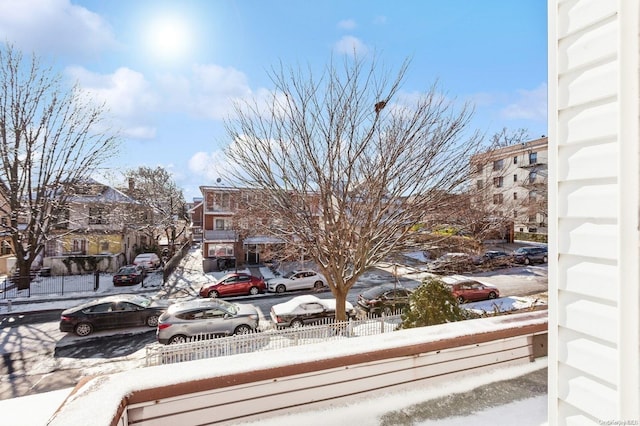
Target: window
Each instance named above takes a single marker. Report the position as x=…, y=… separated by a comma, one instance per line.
x=104, y=246
x=6, y=248
x=497, y=198
x=97, y=216
x=60, y=216
x=533, y=158
x=532, y=195
x=79, y=246
x=515, y=177
x=532, y=176
x=220, y=224
x=220, y=250
x=515, y=214
x=515, y=160
x=51, y=248
x=479, y=168
x=498, y=181
x=498, y=165
x=479, y=183
x=515, y=195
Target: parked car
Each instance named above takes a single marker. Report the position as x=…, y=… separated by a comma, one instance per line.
x=205, y=318
x=387, y=298
x=451, y=263
x=307, y=309
x=118, y=311
x=297, y=280
x=530, y=255
x=147, y=261
x=496, y=259
x=234, y=284
x=468, y=290
x=129, y=275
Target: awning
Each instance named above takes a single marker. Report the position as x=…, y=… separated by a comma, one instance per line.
x=263, y=240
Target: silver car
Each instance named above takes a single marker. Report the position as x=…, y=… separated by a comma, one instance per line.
x=205, y=318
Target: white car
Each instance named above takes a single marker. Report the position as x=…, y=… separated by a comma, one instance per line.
x=297, y=280
x=147, y=261
x=307, y=309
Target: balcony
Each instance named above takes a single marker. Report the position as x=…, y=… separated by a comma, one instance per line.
x=220, y=235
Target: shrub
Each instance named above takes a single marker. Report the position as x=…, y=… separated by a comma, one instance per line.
x=432, y=303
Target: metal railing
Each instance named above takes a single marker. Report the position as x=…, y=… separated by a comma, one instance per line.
x=201, y=347
x=49, y=285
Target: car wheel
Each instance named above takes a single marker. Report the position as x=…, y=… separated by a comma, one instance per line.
x=492, y=295
x=296, y=323
x=213, y=294
x=176, y=340
x=460, y=299
x=318, y=285
x=242, y=329
x=281, y=288
x=83, y=329
x=152, y=321
x=253, y=291
x=527, y=261
x=544, y=259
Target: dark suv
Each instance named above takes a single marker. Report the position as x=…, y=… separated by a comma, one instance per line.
x=385, y=299
x=530, y=255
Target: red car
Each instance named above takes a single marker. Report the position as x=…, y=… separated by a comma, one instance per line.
x=469, y=290
x=234, y=284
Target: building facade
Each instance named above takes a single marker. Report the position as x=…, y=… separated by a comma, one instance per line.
x=96, y=220
x=594, y=250
x=510, y=183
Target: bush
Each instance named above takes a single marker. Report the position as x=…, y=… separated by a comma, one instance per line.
x=432, y=303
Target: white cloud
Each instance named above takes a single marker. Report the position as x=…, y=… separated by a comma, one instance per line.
x=350, y=45
x=529, y=105
x=347, y=24
x=210, y=166
x=30, y=24
x=209, y=91
x=127, y=95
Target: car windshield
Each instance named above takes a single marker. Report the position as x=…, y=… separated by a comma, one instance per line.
x=232, y=308
x=141, y=300
x=127, y=270
x=376, y=291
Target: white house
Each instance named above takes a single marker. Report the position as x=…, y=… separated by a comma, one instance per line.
x=594, y=184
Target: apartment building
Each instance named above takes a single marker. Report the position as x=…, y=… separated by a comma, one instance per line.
x=510, y=183
x=235, y=227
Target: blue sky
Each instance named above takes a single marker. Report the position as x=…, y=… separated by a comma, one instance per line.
x=168, y=69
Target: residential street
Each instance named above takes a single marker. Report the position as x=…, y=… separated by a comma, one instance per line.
x=37, y=357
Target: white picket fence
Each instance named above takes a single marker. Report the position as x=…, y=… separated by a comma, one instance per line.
x=201, y=347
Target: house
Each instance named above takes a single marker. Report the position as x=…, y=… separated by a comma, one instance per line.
x=233, y=229
x=511, y=183
x=7, y=259
x=96, y=221
x=194, y=211
x=594, y=193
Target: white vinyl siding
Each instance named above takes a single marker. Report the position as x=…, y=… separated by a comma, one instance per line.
x=594, y=188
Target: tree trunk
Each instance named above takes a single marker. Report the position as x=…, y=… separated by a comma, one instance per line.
x=23, y=276
x=341, y=299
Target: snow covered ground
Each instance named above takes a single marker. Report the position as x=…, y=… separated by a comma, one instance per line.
x=19, y=411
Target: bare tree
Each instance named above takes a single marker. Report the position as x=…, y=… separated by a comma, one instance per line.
x=345, y=167
x=156, y=189
x=51, y=138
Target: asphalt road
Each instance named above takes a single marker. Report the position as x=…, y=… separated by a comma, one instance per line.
x=37, y=357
